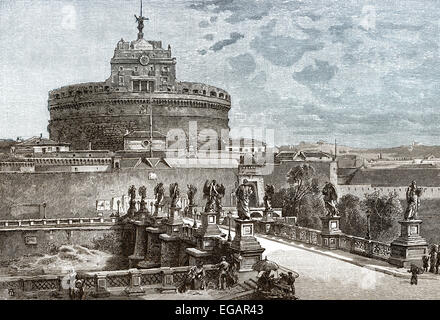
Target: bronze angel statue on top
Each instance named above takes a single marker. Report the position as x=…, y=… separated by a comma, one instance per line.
x=330, y=199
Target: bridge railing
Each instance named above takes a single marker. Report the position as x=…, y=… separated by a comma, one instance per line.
x=119, y=279
x=6, y=224
x=296, y=233
x=357, y=245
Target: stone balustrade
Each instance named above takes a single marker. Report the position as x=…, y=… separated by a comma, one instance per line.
x=352, y=244
x=119, y=279
x=6, y=225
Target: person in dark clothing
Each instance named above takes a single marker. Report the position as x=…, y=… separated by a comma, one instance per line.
x=433, y=258
x=415, y=271
x=437, y=263
x=425, y=260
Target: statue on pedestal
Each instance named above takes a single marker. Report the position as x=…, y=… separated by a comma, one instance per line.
x=174, y=194
x=192, y=190
x=221, y=190
x=159, y=192
x=330, y=199
x=413, y=195
x=143, y=193
x=269, y=191
x=132, y=195
x=210, y=194
x=243, y=194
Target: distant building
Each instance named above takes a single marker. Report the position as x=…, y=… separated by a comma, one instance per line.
x=302, y=156
x=36, y=145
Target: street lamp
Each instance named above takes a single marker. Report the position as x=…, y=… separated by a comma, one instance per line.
x=229, y=221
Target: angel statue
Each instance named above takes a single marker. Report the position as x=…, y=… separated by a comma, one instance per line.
x=132, y=195
x=143, y=193
x=192, y=190
x=140, y=20
x=210, y=194
x=269, y=191
x=159, y=191
x=413, y=195
x=221, y=190
x=330, y=199
x=174, y=194
x=243, y=194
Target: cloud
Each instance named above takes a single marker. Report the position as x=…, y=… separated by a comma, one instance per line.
x=243, y=64
x=203, y=24
x=233, y=38
x=240, y=10
x=322, y=71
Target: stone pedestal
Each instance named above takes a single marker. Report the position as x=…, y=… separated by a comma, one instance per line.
x=169, y=250
x=174, y=222
x=100, y=286
x=198, y=255
x=410, y=247
x=168, y=285
x=152, y=256
x=140, y=244
x=266, y=222
x=135, y=288
x=330, y=231
x=245, y=247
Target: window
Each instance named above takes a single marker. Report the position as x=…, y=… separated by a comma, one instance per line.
x=135, y=68
x=121, y=68
x=121, y=81
x=143, y=86
x=136, y=86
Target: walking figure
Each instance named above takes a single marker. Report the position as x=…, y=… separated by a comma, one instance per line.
x=425, y=260
x=415, y=271
x=433, y=258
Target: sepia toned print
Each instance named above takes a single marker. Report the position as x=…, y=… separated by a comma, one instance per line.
x=219, y=150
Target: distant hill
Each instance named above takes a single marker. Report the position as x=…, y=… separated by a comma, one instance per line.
x=414, y=151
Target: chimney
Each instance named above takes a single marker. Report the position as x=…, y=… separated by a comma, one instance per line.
x=41, y=136
x=90, y=145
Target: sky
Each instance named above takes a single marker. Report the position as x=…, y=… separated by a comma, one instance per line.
x=363, y=72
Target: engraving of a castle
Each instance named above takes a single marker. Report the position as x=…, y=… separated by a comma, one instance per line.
x=220, y=150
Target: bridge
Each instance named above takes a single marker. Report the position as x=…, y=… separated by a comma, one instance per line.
x=324, y=273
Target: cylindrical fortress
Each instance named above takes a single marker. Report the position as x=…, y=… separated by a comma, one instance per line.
x=141, y=94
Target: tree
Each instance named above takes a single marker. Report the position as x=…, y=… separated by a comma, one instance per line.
x=353, y=218
x=302, y=181
x=385, y=211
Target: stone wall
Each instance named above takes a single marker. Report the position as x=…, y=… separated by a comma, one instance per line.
x=75, y=194
x=103, y=120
